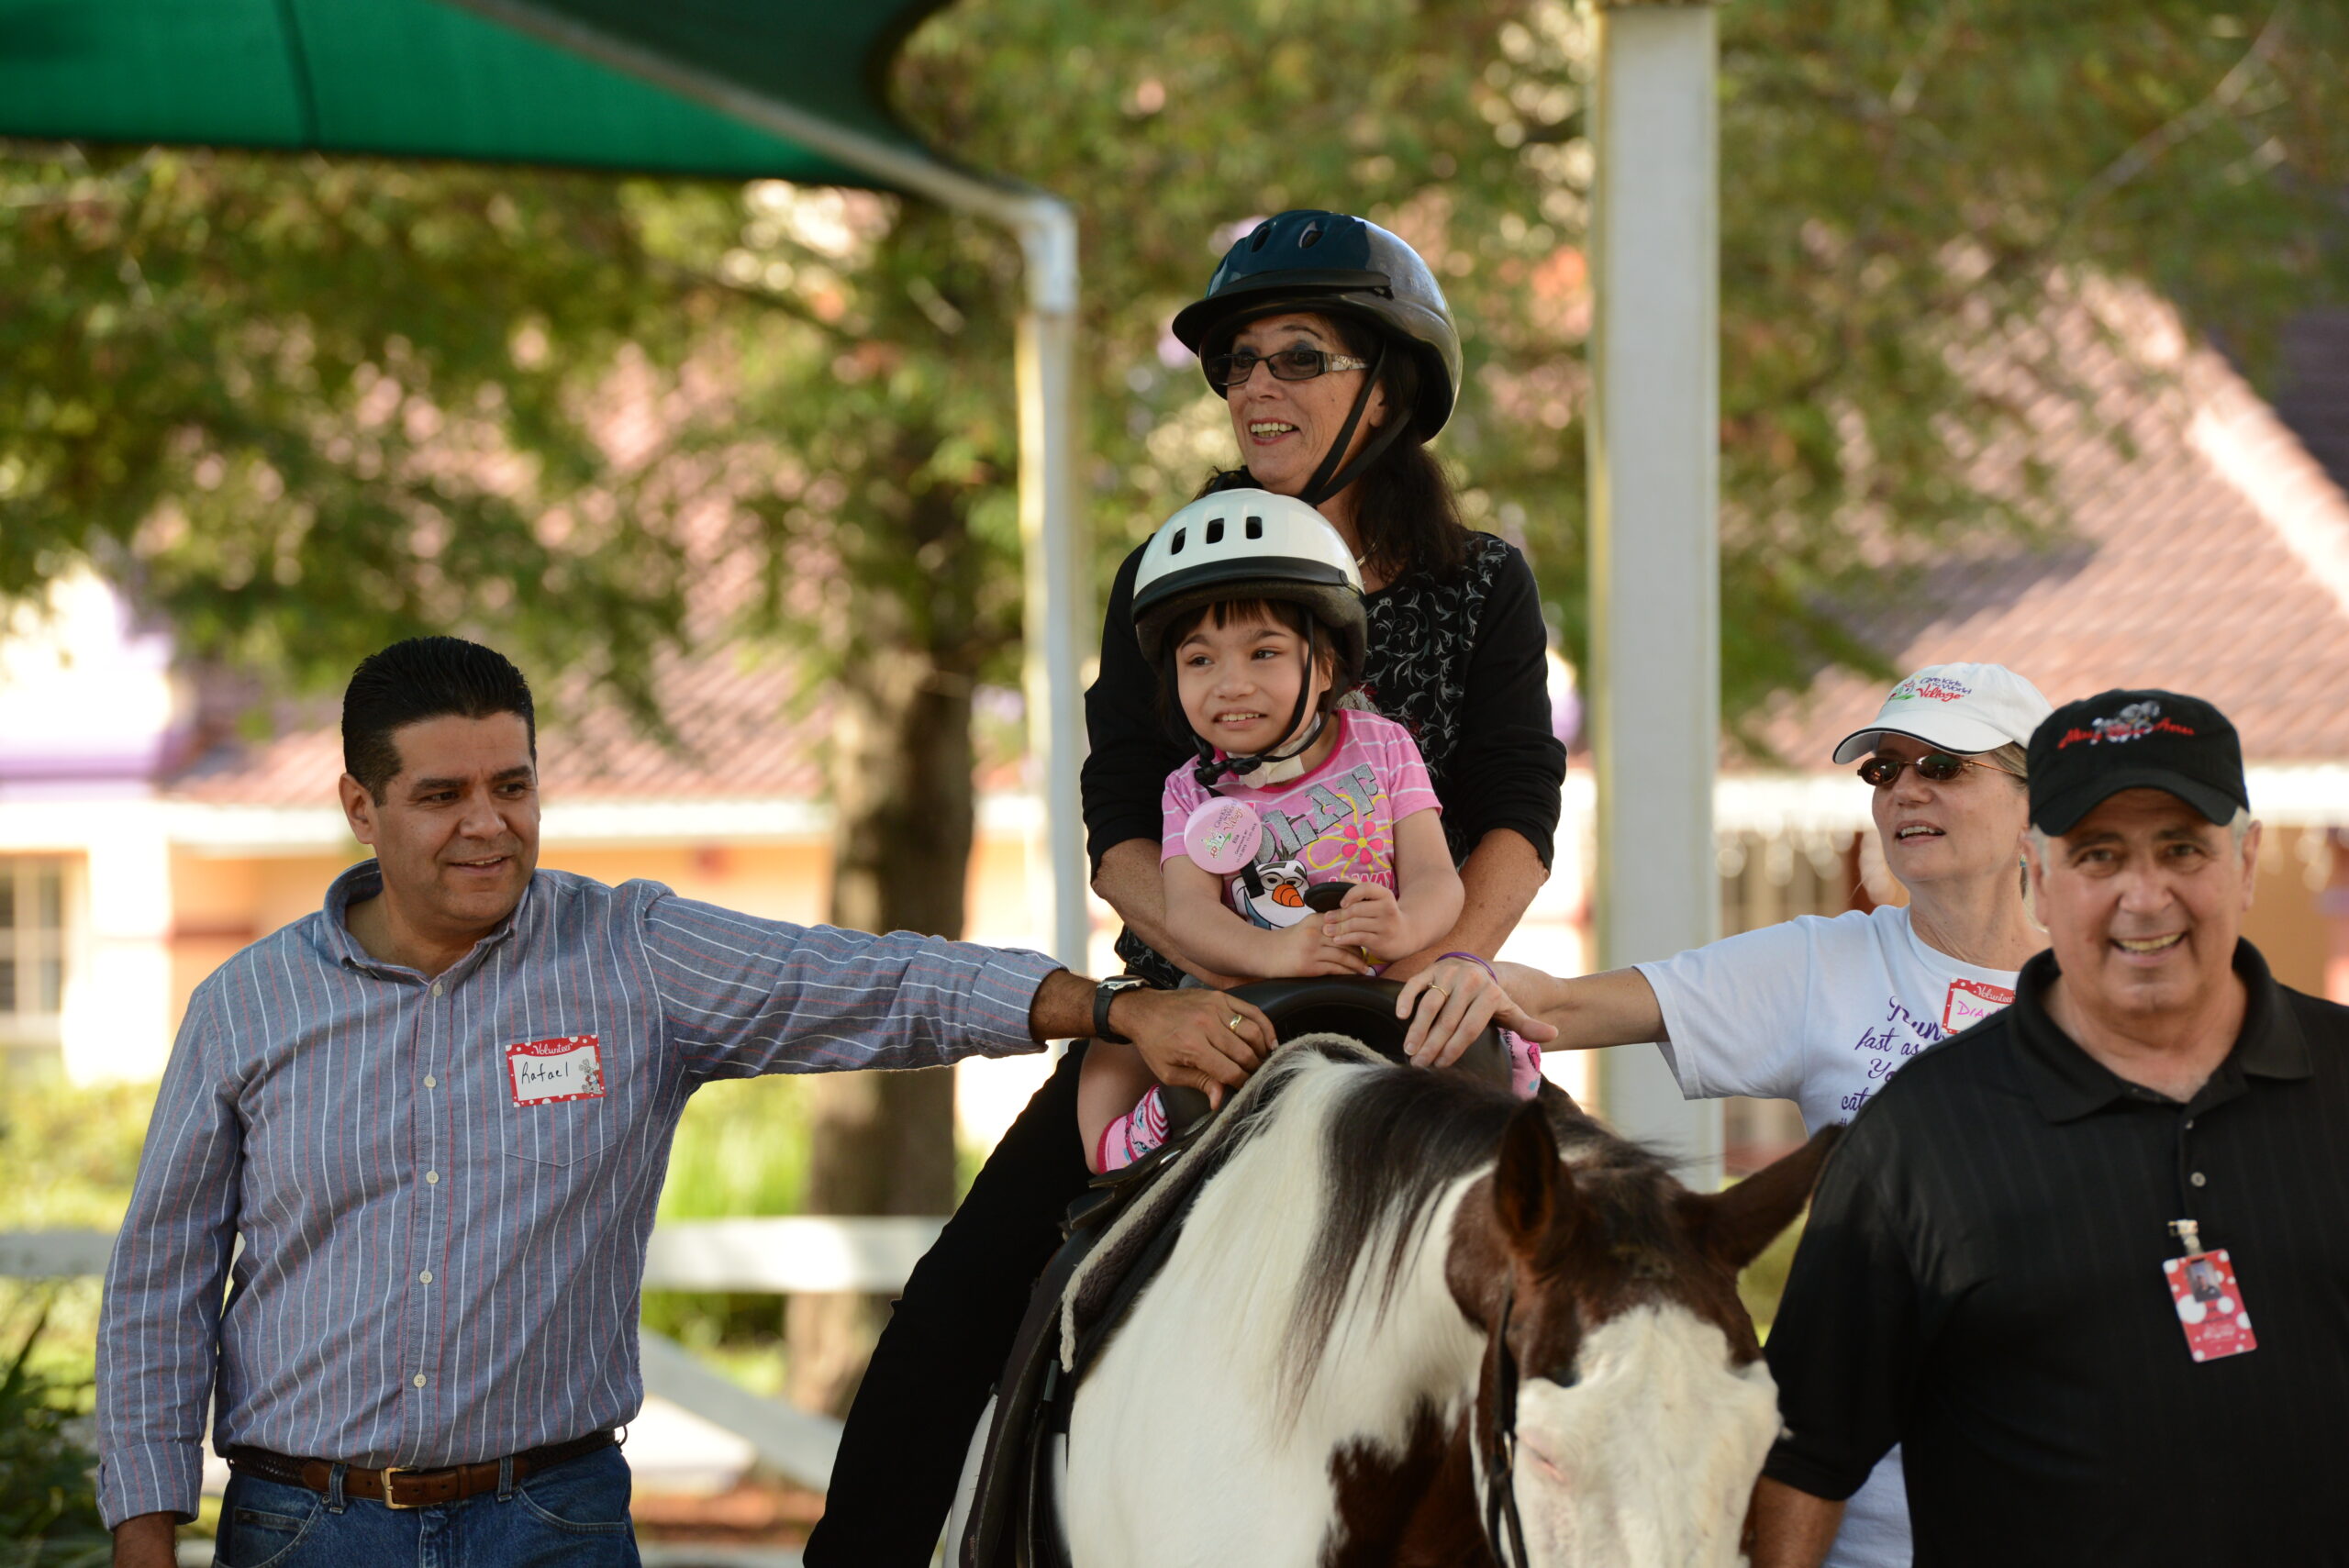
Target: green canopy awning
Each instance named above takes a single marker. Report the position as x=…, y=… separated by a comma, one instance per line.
x=429, y=79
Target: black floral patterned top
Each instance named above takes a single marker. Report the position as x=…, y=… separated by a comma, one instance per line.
x=1459, y=662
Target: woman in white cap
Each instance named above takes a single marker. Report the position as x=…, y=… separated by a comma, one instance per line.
x=1822, y=1010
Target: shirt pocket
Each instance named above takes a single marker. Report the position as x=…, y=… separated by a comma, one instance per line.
x=559, y=1099
x=563, y=1132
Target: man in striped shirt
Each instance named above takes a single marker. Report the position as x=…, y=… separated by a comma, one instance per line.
x=437, y=1114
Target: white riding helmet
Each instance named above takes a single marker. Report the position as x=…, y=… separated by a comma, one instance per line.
x=1249, y=544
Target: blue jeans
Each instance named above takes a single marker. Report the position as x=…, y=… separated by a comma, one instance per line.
x=573, y=1515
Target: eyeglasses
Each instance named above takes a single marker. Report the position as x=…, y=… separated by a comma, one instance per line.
x=1936, y=767
x=1228, y=370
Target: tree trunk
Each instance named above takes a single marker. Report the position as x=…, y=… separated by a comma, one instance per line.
x=902, y=795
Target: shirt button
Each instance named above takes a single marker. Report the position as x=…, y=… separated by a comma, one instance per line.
x=424, y=1278
x=436, y=988
x=2198, y=1179
x=417, y=1380
x=433, y=1177
x=432, y=1082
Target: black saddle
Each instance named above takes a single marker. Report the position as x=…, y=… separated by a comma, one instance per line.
x=1014, y=1519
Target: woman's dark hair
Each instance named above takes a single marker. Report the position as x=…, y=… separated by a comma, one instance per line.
x=425, y=677
x=1404, y=506
x=1334, y=654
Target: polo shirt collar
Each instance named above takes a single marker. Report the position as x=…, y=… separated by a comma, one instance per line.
x=2065, y=1082
x=365, y=881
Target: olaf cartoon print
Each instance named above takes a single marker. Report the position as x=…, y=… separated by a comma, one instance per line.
x=1282, y=902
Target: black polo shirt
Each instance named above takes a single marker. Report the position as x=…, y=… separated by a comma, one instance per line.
x=1981, y=1282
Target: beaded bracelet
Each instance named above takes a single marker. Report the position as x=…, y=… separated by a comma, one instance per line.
x=1475, y=959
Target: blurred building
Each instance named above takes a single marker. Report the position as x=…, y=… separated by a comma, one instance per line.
x=144, y=838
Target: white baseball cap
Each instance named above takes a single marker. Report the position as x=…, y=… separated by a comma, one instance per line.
x=1964, y=708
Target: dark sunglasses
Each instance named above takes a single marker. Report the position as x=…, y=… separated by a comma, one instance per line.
x=1936, y=767
x=1228, y=370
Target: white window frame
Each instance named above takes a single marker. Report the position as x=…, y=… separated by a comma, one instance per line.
x=30, y=943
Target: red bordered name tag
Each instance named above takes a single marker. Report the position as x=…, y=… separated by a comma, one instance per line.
x=545, y=1070
x=2210, y=1304
x=1971, y=1001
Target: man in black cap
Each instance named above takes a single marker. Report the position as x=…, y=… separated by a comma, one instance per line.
x=2089, y=1262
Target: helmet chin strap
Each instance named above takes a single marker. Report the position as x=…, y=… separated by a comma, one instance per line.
x=1328, y=478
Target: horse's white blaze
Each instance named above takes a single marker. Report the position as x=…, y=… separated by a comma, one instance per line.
x=1648, y=1460
x=1184, y=1447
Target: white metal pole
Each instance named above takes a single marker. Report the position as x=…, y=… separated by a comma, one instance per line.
x=1051, y=531
x=1654, y=494
x=1052, y=563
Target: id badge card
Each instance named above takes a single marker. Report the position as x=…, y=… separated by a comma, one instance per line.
x=2210, y=1304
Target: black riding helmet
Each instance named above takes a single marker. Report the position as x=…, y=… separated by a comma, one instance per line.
x=1339, y=265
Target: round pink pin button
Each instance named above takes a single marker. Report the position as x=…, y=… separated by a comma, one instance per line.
x=1222, y=835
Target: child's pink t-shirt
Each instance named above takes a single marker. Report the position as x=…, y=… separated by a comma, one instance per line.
x=1335, y=824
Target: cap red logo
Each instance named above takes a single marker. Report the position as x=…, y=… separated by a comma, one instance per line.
x=2134, y=722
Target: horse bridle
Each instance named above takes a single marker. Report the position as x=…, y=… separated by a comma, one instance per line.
x=1504, y=1531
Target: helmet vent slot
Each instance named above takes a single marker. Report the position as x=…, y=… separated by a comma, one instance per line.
x=1310, y=237
x=1256, y=529
x=1263, y=232
x=1215, y=530
x=1175, y=545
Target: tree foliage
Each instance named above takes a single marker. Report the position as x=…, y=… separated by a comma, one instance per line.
x=304, y=405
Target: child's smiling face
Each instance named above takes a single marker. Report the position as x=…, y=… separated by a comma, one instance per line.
x=1238, y=682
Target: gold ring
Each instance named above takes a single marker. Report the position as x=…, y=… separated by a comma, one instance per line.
x=1440, y=990
x=1234, y=1025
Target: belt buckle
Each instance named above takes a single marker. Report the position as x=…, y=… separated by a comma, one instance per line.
x=390, y=1473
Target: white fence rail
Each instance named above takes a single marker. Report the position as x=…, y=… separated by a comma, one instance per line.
x=799, y=1253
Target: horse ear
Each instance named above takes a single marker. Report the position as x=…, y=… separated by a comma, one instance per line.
x=1736, y=1225
x=1532, y=1197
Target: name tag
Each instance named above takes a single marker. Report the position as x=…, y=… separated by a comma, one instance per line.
x=545, y=1070
x=1971, y=1001
x=2210, y=1304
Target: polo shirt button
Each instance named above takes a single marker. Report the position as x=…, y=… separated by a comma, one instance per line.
x=432, y=1082
x=424, y=1278
x=432, y=1177
x=436, y=988
x=2198, y=1179
x=417, y=1380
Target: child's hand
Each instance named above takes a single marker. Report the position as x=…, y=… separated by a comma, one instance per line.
x=1302, y=949
x=1371, y=916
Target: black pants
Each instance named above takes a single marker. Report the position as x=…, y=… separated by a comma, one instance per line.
x=910, y=1427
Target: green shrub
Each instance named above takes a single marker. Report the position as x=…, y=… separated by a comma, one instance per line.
x=741, y=1149
x=49, y=1504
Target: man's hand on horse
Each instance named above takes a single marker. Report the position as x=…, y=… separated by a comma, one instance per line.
x=1449, y=1004
x=1202, y=1039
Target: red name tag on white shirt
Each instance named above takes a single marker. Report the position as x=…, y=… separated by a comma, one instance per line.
x=545, y=1070
x=2210, y=1304
x=1971, y=1001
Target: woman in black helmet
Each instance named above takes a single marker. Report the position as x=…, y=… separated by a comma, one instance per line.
x=1337, y=357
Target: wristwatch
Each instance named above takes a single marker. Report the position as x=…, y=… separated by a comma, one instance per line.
x=1105, y=994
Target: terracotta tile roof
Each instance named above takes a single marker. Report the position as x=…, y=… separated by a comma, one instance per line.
x=2214, y=557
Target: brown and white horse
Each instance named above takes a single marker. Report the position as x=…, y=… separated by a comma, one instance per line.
x=1312, y=1378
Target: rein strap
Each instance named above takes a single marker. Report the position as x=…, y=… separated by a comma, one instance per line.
x=1504, y=1531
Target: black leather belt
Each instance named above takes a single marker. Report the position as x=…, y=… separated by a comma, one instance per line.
x=398, y=1488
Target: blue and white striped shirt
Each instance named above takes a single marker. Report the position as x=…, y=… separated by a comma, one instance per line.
x=444, y=1236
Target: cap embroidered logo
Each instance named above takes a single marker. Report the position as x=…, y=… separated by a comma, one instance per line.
x=2134, y=722
x=1936, y=688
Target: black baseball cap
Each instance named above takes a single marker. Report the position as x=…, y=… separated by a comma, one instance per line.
x=2088, y=750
